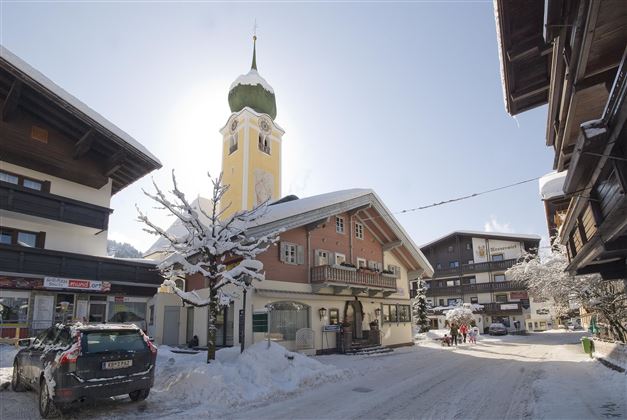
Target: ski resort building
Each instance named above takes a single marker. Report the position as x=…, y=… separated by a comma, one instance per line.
x=60, y=163
x=572, y=56
x=470, y=267
x=339, y=276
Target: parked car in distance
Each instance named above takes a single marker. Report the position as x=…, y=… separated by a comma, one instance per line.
x=70, y=363
x=497, y=329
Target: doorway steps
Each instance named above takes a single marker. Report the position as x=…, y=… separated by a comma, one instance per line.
x=366, y=349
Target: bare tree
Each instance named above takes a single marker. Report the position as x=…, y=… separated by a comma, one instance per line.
x=218, y=248
x=547, y=279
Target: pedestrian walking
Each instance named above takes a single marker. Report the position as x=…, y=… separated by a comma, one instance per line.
x=472, y=335
x=454, y=332
x=463, y=329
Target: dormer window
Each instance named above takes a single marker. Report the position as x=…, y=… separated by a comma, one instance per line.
x=264, y=144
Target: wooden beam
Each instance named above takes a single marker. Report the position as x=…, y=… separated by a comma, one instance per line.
x=11, y=101
x=114, y=163
x=602, y=78
x=84, y=144
x=532, y=91
x=391, y=245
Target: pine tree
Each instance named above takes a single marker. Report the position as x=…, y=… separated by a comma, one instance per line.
x=419, y=307
x=221, y=250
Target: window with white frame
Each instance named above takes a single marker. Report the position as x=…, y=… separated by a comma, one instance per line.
x=361, y=263
x=339, y=224
x=373, y=265
x=322, y=257
x=340, y=258
x=288, y=252
x=359, y=231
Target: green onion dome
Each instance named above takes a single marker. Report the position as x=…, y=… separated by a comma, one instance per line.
x=253, y=91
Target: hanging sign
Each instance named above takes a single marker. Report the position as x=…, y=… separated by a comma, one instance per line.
x=62, y=283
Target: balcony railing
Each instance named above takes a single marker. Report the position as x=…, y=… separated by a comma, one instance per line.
x=475, y=268
x=501, y=286
x=512, y=308
x=46, y=262
x=327, y=273
x=41, y=204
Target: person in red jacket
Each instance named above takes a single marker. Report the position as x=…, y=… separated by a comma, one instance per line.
x=463, y=330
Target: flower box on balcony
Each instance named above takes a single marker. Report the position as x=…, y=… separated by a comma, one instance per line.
x=344, y=267
x=389, y=275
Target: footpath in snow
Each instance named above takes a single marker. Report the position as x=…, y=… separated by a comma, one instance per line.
x=540, y=376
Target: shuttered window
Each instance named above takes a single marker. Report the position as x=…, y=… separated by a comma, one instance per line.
x=292, y=253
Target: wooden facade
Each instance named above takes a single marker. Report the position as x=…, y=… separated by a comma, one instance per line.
x=585, y=121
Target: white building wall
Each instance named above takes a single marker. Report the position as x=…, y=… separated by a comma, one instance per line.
x=60, y=236
x=65, y=188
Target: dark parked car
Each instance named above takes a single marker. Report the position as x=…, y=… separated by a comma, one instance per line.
x=497, y=329
x=76, y=362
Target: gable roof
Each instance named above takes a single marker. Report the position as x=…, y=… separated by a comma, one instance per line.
x=489, y=235
x=318, y=208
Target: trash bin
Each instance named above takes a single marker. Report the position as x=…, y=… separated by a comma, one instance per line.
x=588, y=345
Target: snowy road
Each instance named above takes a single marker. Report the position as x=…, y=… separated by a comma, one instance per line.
x=539, y=376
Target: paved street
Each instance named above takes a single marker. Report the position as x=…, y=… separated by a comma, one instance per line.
x=540, y=376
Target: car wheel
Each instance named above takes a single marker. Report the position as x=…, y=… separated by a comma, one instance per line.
x=140, y=394
x=16, y=380
x=46, y=406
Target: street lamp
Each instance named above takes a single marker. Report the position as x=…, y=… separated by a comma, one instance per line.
x=242, y=313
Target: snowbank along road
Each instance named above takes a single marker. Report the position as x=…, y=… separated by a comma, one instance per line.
x=545, y=376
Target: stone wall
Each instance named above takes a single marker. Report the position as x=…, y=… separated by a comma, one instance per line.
x=613, y=352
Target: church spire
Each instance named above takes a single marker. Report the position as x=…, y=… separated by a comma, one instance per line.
x=254, y=65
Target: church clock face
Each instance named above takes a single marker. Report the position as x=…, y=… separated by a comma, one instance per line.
x=264, y=186
x=233, y=125
x=264, y=125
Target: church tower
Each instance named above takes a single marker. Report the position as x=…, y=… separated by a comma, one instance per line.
x=251, y=143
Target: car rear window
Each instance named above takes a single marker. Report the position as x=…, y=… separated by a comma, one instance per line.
x=107, y=340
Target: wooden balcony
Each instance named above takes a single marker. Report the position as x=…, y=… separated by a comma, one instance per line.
x=358, y=281
x=481, y=267
x=54, y=207
x=45, y=262
x=465, y=289
x=511, y=308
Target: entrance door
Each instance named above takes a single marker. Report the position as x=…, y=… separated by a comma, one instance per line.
x=171, y=318
x=224, y=325
x=353, y=314
x=97, y=311
x=190, y=323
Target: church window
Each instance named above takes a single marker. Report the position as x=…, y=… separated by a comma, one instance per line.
x=263, y=144
x=233, y=143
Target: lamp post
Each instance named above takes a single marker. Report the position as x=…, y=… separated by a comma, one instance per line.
x=242, y=321
x=322, y=312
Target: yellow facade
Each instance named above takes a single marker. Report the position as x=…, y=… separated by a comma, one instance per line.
x=251, y=160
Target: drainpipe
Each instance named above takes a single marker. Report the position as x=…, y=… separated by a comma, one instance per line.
x=308, y=256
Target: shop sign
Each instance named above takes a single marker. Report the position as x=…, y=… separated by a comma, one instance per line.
x=508, y=306
x=503, y=248
x=62, y=283
x=518, y=295
x=119, y=299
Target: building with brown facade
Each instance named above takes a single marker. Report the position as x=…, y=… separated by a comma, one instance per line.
x=470, y=267
x=572, y=56
x=60, y=163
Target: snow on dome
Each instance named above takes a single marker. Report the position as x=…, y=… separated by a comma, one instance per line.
x=552, y=185
x=251, y=78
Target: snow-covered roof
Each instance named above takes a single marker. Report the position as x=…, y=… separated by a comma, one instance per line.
x=482, y=234
x=296, y=213
x=46, y=84
x=251, y=78
x=552, y=185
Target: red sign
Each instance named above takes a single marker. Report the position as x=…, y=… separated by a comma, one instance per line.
x=78, y=284
x=119, y=299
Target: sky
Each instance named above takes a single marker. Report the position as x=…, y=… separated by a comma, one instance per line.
x=404, y=98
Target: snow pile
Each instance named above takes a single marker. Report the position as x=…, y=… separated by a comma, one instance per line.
x=552, y=185
x=233, y=379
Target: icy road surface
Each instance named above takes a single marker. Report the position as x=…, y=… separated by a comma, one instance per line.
x=544, y=375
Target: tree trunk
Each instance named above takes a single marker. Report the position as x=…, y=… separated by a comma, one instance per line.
x=211, y=325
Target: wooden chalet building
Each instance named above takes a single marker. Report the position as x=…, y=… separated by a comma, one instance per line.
x=470, y=267
x=60, y=163
x=572, y=56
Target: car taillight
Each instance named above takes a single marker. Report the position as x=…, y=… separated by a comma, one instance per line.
x=152, y=347
x=71, y=354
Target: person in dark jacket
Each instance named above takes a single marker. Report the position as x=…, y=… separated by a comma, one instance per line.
x=193, y=342
x=454, y=331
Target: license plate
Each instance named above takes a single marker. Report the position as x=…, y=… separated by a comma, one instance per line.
x=118, y=364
